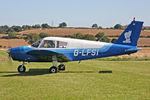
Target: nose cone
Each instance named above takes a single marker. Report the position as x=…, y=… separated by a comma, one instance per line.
x=8, y=51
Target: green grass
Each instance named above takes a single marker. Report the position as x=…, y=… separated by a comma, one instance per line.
x=89, y=80
x=124, y=59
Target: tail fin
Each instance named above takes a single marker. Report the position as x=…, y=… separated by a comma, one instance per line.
x=131, y=34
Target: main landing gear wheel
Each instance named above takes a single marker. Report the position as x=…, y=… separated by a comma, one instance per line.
x=21, y=68
x=61, y=67
x=53, y=69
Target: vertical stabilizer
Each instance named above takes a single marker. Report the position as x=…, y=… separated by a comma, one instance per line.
x=131, y=34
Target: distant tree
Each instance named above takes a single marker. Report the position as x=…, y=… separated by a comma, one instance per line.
x=117, y=26
x=81, y=36
x=17, y=28
x=10, y=30
x=63, y=24
x=105, y=39
x=26, y=27
x=45, y=26
x=4, y=29
x=38, y=26
x=77, y=36
x=32, y=37
x=43, y=35
x=94, y=26
x=12, y=35
x=101, y=37
x=89, y=37
x=100, y=27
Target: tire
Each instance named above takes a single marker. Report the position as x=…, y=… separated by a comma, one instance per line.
x=21, y=69
x=61, y=67
x=53, y=69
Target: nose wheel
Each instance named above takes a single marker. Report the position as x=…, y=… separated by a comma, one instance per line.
x=21, y=68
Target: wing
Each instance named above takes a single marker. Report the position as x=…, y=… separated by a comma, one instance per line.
x=46, y=55
x=41, y=53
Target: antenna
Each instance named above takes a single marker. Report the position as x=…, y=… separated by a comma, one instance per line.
x=101, y=38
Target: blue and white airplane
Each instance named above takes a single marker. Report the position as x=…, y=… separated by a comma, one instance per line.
x=59, y=49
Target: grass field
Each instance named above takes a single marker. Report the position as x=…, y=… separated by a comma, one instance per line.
x=89, y=80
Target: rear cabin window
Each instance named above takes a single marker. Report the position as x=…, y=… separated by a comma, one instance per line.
x=61, y=44
x=48, y=44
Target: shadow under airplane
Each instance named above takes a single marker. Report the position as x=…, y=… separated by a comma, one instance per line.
x=35, y=72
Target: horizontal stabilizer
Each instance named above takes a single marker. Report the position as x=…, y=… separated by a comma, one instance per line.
x=133, y=50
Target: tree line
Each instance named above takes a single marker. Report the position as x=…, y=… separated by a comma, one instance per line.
x=7, y=29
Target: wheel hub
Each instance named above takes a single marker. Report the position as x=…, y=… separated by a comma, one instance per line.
x=53, y=70
x=21, y=69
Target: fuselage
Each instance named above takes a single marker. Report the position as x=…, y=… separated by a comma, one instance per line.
x=70, y=50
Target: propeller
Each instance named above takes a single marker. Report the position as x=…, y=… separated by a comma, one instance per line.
x=9, y=55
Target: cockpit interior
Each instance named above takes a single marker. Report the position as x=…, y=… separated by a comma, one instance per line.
x=49, y=44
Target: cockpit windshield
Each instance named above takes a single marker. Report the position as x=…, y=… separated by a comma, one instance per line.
x=49, y=44
x=36, y=44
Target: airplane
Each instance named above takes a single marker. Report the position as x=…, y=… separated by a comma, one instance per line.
x=60, y=49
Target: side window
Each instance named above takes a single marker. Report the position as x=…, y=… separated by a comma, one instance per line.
x=61, y=44
x=48, y=44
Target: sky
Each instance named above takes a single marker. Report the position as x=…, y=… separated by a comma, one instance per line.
x=76, y=13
